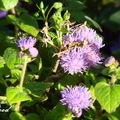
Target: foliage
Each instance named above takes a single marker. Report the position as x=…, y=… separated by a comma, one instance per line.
x=30, y=86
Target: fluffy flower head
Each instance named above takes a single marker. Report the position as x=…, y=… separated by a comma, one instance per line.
x=25, y=43
x=73, y=61
x=76, y=98
x=83, y=33
x=83, y=52
x=92, y=56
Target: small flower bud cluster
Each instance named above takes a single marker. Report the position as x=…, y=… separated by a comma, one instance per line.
x=83, y=50
x=27, y=44
x=111, y=62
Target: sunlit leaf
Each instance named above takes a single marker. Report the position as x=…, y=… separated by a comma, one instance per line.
x=64, y=81
x=7, y=4
x=16, y=94
x=17, y=116
x=58, y=113
x=10, y=57
x=108, y=96
x=1, y=62
x=28, y=24
x=16, y=74
x=37, y=88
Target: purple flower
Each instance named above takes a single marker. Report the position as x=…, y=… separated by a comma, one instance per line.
x=76, y=98
x=83, y=33
x=33, y=52
x=3, y=14
x=80, y=58
x=83, y=50
x=97, y=42
x=109, y=61
x=92, y=56
x=25, y=43
x=73, y=61
x=67, y=39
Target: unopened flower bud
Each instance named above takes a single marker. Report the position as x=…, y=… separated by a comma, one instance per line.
x=110, y=60
x=33, y=52
x=66, y=15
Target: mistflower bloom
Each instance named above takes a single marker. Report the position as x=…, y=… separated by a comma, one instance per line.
x=97, y=42
x=25, y=43
x=83, y=33
x=80, y=34
x=76, y=98
x=33, y=51
x=83, y=45
x=92, y=56
x=67, y=39
x=73, y=61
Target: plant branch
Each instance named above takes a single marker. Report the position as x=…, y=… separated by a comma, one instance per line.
x=21, y=82
x=113, y=79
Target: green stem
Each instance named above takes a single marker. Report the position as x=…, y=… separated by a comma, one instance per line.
x=113, y=79
x=48, y=13
x=21, y=82
x=14, y=13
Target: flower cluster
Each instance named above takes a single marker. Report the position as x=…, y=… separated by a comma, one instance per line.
x=76, y=98
x=83, y=50
x=28, y=44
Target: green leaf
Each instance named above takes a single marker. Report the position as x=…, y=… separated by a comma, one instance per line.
x=118, y=73
x=57, y=5
x=115, y=19
x=12, y=19
x=33, y=115
x=37, y=88
x=112, y=117
x=93, y=22
x=108, y=96
x=1, y=62
x=7, y=4
x=17, y=116
x=41, y=111
x=2, y=99
x=10, y=57
x=29, y=1
x=28, y=24
x=107, y=71
x=115, y=114
x=66, y=80
x=77, y=15
x=16, y=74
x=58, y=113
x=16, y=94
x=52, y=34
x=33, y=68
x=75, y=5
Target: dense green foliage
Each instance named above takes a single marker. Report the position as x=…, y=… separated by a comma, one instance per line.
x=38, y=97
